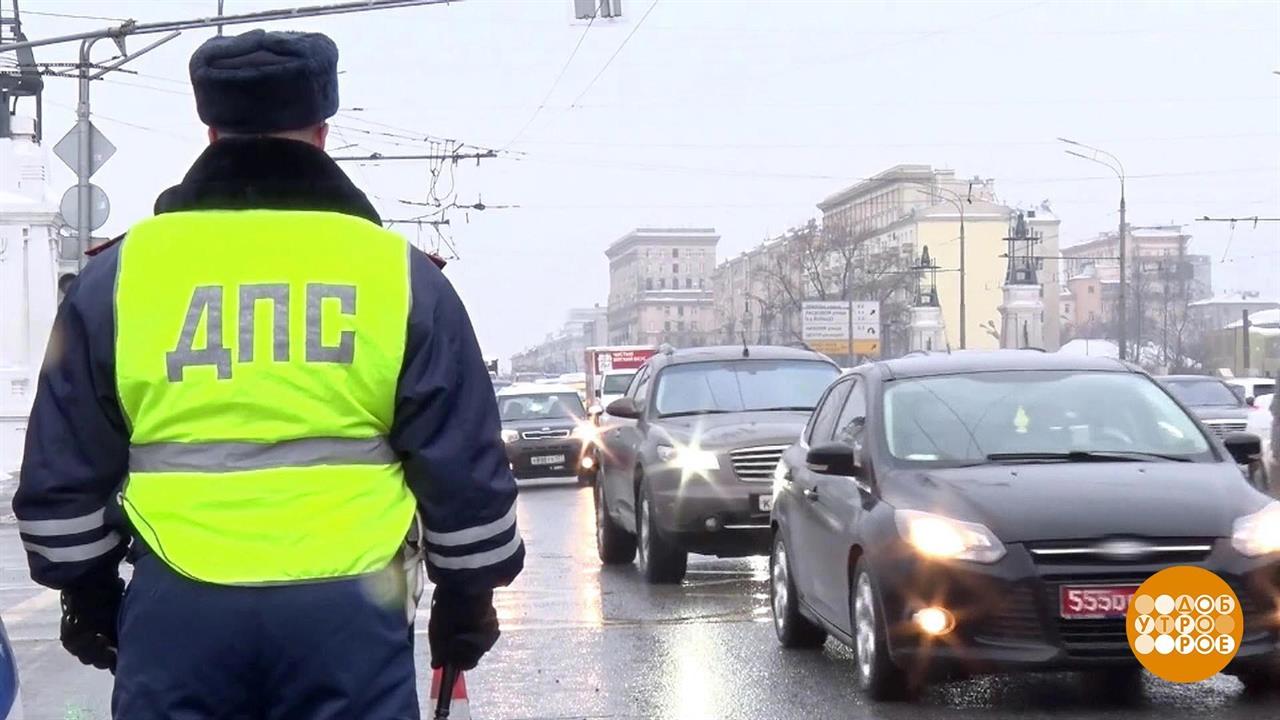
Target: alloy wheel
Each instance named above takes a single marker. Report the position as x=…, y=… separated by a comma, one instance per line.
x=781, y=583
x=642, y=531
x=864, y=616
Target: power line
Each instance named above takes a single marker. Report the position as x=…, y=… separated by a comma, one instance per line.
x=455, y=157
x=74, y=16
x=555, y=83
x=609, y=62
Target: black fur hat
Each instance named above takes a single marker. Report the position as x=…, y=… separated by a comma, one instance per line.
x=261, y=82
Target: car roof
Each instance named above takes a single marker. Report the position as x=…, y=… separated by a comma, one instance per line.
x=735, y=352
x=1190, y=378
x=537, y=389
x=924, y=364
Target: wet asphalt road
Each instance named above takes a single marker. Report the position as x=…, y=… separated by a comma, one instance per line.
x=582, y=642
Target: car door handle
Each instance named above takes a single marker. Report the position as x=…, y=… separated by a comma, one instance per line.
x=811, y=493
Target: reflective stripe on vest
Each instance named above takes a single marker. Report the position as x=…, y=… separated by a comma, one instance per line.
x=257, y=355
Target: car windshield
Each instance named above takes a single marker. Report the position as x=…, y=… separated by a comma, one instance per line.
x=541, y=406
x=616, y=384
x=1203, y=393
x=968, y=418
x=742, y=385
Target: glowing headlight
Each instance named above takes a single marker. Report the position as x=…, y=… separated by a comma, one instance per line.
x=510, y=436
x=586, y=432
x=688, y=459
x=1259, y=533
x=935, y=536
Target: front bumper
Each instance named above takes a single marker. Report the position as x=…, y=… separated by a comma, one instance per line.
x=712, y=512
x=524, y=455
x=1008, y=615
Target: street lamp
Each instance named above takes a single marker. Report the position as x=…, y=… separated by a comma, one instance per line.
x=956, y=199
x=1118, y=169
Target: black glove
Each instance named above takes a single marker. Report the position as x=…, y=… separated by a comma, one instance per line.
x=89, y=615
x=462, y=628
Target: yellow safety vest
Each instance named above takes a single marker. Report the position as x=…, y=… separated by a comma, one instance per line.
x=257, y=354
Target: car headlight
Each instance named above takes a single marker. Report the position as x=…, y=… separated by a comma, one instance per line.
x=688, y=459
x=935, y=536
x=1259, y=533
x=586, y=432
x=510, y=436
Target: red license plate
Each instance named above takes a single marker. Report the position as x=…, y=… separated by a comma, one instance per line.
x=1092, y=602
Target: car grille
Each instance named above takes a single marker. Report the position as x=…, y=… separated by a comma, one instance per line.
x=1013, y=618
x=1221, y=428
x=544, y=434
x=1161, y=550
x=756, y=463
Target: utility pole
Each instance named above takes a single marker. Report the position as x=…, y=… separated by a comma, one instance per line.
x=1118, y=169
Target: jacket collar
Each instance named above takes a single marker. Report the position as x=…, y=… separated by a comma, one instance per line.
x=266, y=173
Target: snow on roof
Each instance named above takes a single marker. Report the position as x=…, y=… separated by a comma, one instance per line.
x=1257, y=320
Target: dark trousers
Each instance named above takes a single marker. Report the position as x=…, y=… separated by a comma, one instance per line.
x=318, y=651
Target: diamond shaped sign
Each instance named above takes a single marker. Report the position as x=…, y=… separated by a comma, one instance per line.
x=68, y=148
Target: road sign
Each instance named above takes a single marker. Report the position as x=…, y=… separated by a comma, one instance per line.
x=824, y=321
x=68, y=149
x=99, y=206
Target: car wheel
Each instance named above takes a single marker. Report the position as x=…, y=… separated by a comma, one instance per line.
x=877, y=675
x=661, y=561
x=615, y=545
x=794, y=630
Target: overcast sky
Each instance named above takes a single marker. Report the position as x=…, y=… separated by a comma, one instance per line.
x=740, y=115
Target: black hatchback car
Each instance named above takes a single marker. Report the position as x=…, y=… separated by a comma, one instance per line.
x=956, y=514
x=545, y=430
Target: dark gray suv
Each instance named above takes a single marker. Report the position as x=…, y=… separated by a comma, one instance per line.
x=689, y=453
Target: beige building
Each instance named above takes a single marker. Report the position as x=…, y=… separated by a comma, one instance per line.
x=908, y=207
x=660, y=286
x=752, y=298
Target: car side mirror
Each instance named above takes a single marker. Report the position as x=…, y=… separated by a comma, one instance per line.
x=832, y=458
x=624, y=408
x=1244, y=447
x=1248, y=400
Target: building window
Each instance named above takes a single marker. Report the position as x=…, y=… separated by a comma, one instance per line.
x=693, y=325
x=667, y=326
x=648, y=283
x=662, y=283
x=675, y=252
x=675, y=268
x=688, y=283
x=680, y=311
x=1091, y=290
x=702, y=283
x=680, y=326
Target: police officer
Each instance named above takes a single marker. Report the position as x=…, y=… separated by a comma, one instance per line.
x=254, y=394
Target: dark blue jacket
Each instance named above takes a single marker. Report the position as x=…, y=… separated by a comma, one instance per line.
x=446, y=427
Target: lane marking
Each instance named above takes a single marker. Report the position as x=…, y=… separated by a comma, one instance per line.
x=44, y=600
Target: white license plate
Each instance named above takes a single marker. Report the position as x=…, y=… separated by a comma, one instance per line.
x=764, y=502
x=547, y=460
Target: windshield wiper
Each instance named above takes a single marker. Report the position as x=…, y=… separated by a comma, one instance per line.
x=1085, y=456
x=784, y=408
x=685, y=413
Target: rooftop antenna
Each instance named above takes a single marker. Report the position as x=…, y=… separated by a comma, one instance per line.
x=746, y=352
